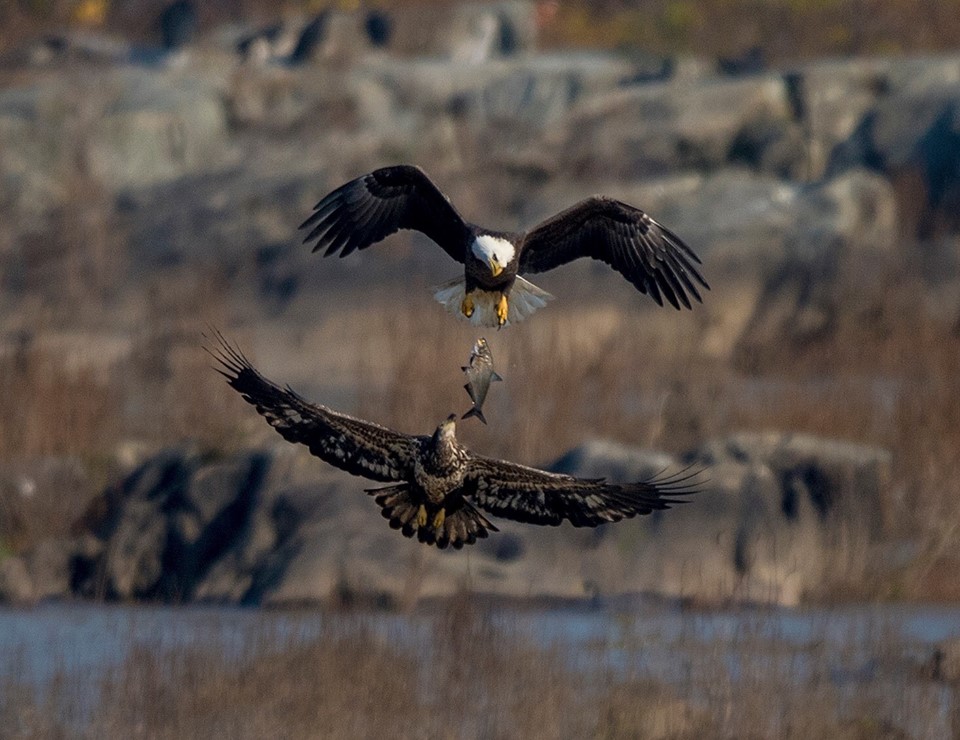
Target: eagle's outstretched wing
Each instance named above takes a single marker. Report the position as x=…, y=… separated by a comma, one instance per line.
x=377, y=204
x=538, y=497
x=649, y=255
x=359, y=447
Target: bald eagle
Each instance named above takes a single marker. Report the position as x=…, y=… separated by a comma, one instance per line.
x=435, y=485
x=491, y=293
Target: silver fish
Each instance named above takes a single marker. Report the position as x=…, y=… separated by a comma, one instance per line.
x=480, y=374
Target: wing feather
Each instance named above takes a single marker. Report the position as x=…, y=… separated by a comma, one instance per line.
x=649, y=255
x=370, y=208
x=359, y=447
x=535, y=496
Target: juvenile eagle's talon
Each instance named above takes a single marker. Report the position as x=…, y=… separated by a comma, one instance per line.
x=502, y=310
x=422, y=516
x=439, y=518
x=467, y=306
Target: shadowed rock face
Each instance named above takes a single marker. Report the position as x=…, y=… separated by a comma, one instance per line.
x=167, y=524
x=780, y=516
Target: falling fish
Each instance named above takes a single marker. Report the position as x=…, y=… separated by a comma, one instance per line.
x=479, y=373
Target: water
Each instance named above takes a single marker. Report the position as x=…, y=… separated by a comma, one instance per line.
x=883, y=647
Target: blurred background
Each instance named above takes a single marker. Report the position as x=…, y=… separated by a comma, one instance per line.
x=156, y=159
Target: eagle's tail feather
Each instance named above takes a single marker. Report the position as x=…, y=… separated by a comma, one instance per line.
x=462, y=527
x=524, y=299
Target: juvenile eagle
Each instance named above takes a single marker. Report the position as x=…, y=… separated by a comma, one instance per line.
x=436, y=485
x=373, y=206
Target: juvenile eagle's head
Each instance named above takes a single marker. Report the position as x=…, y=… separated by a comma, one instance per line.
x=447, y=430
x=493, y=251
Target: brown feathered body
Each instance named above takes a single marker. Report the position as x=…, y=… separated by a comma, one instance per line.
x=435, y=486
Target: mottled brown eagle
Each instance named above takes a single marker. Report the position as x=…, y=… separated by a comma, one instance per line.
x=491, y=293
x=436, y=484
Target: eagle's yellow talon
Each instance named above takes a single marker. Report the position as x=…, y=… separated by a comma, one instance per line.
x=502, y=310
x=439, y=518
x=467, y=306
x=422, y=516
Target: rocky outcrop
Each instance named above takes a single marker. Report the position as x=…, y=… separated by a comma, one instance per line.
x=123, y=127
x=164, y=526
x=779, y=517
x=911, y=134
x=645, y=130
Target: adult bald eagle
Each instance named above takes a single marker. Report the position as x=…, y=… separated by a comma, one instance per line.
x=491, y=293
x=436, y=485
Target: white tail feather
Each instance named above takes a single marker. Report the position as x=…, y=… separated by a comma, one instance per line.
x=524, y=299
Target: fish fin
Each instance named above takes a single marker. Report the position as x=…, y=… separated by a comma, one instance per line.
x=495, y=376
x=474, y=412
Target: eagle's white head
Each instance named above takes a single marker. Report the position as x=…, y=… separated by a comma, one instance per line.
x=495, y=251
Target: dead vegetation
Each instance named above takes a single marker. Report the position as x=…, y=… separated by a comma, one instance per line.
x=787, y=29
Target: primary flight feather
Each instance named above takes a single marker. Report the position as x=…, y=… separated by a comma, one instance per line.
x=492, y=293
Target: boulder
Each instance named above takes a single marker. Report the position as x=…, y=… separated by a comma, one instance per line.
x=830, y=97
x=37, y=146
x=49, y=564
x=835, y=253
x=911, y=133
x=466, y=33
x=166, y=523
x=16, y=586
x=156, y=126
x=608, y=459
x=124, y=127
x=653, y=129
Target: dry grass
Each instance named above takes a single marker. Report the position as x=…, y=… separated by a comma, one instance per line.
x=785, y=29
x=466, y=671
x=92, y=373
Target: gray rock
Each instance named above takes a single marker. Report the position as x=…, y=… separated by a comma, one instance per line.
x=655, y=129
x=831, y=97
x=912, y=134
x=38, y=146
x=156, y=127
x=829, y=256
x=168, y=522
x=815, y=505
x=16, y=586
x=604, y=458
x=50, y=564
x=466, y=33
x=124, y=127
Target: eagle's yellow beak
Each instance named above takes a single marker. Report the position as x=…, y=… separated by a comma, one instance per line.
x=495, y=267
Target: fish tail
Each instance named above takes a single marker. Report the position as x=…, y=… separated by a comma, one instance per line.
x=475, y=411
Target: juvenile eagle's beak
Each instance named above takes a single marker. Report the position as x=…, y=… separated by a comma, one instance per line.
x=449, y=425
x=495, y=267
